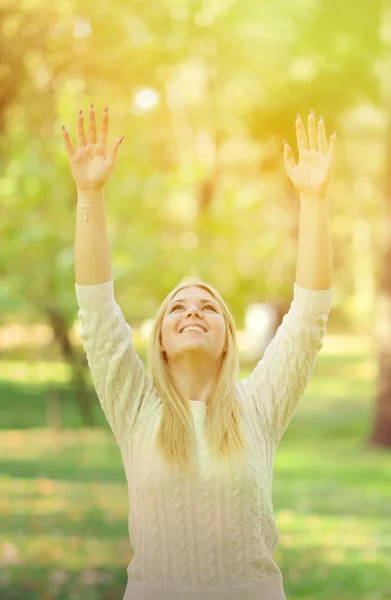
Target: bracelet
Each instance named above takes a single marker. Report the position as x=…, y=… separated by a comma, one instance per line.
x=85, y=206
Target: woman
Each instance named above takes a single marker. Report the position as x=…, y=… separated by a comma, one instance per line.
x=197, y=444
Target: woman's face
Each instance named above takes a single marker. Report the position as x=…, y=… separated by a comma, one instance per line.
x=193, y=306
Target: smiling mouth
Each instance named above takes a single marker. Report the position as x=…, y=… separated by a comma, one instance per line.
x=200, y=330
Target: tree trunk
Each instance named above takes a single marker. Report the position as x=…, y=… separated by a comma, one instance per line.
x=78, y=381
x=54, y=414
x=381, y=433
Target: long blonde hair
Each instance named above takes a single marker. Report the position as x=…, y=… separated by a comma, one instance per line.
x=176, y=437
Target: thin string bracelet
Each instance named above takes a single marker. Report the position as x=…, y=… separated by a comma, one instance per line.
x=85, y=206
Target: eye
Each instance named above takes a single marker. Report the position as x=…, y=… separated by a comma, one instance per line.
x=205, y=306
x=175, y=307
x=210, y=306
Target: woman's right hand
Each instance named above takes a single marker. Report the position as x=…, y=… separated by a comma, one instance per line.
x=90, y=166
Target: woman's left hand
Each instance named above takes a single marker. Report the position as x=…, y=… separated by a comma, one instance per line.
x=311, y=175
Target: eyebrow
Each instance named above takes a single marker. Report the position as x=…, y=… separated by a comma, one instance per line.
x=203, y=301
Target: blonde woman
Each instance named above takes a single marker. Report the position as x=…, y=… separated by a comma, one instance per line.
x=197, y=444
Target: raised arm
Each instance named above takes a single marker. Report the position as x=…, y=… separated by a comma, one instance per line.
x=123, y=387
x=280, y=378
x=278, y=381
x=91, y=167
x=92, y=250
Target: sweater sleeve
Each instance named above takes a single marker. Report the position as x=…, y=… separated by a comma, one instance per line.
x=279, y=379
x=120, y=380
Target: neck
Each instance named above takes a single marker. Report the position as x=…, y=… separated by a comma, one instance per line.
x=195, y=376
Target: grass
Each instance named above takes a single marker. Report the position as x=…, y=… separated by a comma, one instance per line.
x=64, y=502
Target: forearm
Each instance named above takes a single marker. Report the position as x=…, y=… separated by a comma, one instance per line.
x=314, y=258
x=92, y=250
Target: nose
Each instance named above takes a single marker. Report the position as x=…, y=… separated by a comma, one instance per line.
x=193, y=310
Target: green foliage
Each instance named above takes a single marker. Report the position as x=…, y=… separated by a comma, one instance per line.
x=200, y=186
x=64, y=499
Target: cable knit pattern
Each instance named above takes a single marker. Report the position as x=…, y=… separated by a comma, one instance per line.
x=213, y=538
x=281, y=376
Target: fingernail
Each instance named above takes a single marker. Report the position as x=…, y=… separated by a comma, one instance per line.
x=298, y=116
x=321, y=119
x=284, y=142
x=92, y=105
x=106, y=109
x=121, y=140
x=63, y=127
x=311, y=112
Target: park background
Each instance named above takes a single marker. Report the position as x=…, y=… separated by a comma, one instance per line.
x=204, y=92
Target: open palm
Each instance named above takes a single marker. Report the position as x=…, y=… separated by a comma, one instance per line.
x=91, y=164
x=311, y=175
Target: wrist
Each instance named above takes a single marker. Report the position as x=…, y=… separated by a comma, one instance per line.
x=313, y=197
x=91, y=196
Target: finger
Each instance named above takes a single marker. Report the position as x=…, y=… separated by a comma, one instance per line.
x=68, y=144
x=302, y=143
x=289, y=160
x=333, y=144
x=312, y=133
x=104, y=128
x=81, y=140
x=114, y=150
x=91, y=125
x=322, y=140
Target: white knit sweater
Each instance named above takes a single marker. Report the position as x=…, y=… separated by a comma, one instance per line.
x=212, y=540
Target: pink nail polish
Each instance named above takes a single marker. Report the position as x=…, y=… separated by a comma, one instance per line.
x=107, y=109
x=92, y=105
x=80, y=112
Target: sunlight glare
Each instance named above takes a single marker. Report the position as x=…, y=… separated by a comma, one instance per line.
x=146, y=99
